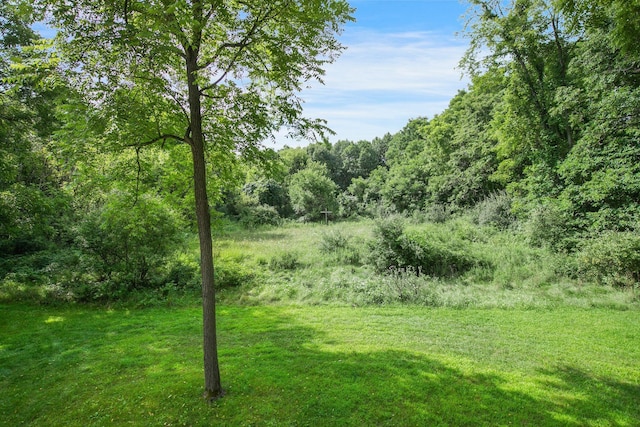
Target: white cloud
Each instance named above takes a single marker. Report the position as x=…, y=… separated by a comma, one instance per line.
x=382, y=80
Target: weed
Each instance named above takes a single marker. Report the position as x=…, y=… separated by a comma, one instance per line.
x=334, y=240
x=495, y=210
x=285, y=261
x=409, y=285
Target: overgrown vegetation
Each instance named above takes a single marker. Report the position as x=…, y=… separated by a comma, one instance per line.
x=542, y=160
x=431, y=251
x=452, y=264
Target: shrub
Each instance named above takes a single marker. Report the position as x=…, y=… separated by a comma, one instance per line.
x=393, y=247
x=386, y=249
x=31, y=217
x=409, y=286
x=350, y=255
x=270, y=193
x=612, y=258
x=333, y=240
x=349, y=207
x=183, y=275
x=339, y=245
x=285, y=261
x=437, y=257
x=130, y=238
x=231, y=273
x=254, y=216
x=495, y=210
x=437, y=213
x=549, y=226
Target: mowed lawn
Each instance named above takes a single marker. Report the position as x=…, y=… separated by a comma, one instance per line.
x=321, y=366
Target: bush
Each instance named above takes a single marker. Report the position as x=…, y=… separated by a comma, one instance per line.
x=184, y=275
x=394, y=248
x=270, y=193
x=612, y=259
x=338, y=244
x=285, y=261
x=31, y=218
x=437, y=213
x=386, y=249
x=495, y=210
x=548, y=226
x=254, y=216
x=231, y=273
x=130, y=238
x=333, y=241
x=437, y=257
x=349, y=207
x=46, y=276
x=408, y=286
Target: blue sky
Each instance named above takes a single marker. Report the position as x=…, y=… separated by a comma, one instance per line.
x=400, y=63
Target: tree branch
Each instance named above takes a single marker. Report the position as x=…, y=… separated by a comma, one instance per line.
x=169, y=19
x=163, y=138
x=246, y=41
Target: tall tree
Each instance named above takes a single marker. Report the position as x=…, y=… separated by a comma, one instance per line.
x=32, y=202
x=528, y=40
x=217, y=75
x=602, y=172
x=312, y=191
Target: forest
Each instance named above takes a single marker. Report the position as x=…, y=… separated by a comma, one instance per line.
x=477, y=267
x=542, y=145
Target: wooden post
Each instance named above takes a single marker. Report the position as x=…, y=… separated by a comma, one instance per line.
x=326, y=216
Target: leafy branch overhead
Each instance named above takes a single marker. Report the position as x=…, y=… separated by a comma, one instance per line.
x=249, y=59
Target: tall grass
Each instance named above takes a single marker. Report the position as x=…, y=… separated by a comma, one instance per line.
x=327, y=264
x=314, y=264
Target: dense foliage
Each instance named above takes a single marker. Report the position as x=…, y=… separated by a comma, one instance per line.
x=544, y=143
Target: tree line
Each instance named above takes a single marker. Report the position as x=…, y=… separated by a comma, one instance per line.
x=545, y=137
x=548, y=126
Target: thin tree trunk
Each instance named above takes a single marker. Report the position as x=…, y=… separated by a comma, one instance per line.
x=212, y=385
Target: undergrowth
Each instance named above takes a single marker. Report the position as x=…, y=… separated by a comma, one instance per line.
x=457, y=263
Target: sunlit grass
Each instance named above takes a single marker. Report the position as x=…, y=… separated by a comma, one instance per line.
x=321, y=366
x=318, y=264
x=512, y=274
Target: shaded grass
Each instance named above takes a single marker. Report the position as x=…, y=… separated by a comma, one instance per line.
x=321, y=366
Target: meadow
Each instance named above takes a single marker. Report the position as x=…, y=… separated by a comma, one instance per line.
x=310, y=334
x=315, y=264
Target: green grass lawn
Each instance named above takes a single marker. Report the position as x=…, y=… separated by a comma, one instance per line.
x=316, y=366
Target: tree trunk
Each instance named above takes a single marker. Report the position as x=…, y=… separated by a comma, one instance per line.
x=212, y=385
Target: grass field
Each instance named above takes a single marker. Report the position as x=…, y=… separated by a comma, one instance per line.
x=295, y=264
x=321, y=366
x=311, y=335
